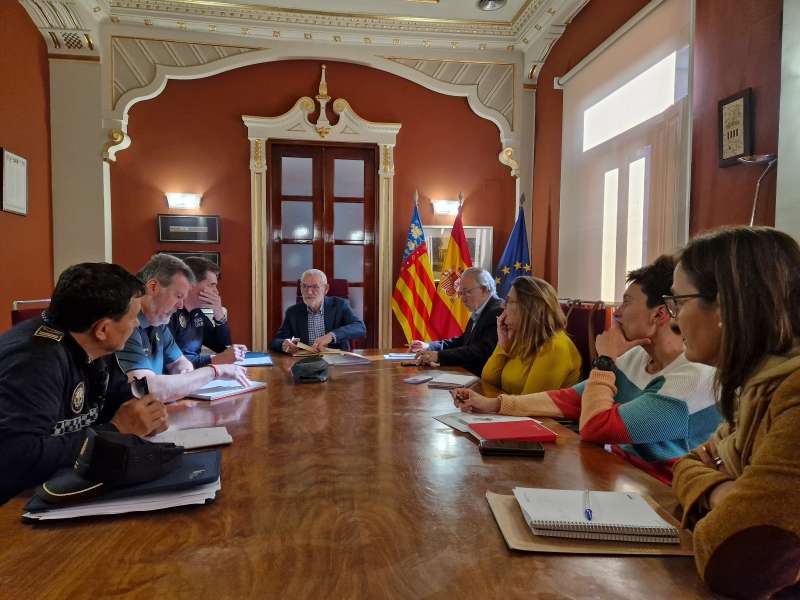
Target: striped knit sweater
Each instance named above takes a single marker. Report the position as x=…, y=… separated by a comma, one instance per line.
x=650, y=419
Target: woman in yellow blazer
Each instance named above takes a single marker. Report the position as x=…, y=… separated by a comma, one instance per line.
x=533, y=352
x=736, y=293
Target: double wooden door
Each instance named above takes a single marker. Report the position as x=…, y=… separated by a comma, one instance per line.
x=322, y=215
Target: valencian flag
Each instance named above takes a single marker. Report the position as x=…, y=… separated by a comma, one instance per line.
x=414, y=291
x=516, y=259
x=449, y=315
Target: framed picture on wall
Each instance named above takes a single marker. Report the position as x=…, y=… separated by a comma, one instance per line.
x=212, y=256
x=735, y=127
x=479, y=242
x=198, y=229
x=14, y=191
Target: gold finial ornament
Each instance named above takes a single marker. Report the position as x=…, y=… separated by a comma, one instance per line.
x=323, y=85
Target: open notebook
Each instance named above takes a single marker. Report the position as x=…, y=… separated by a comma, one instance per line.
x=616, y=516
x=449, y=381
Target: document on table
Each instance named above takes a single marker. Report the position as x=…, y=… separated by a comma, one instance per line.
x=400, y=356
x=255, y=359
x=461, y=420
x=220, y=388
x=200, y=437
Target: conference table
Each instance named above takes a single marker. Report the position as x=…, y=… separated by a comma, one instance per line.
x=342, y=489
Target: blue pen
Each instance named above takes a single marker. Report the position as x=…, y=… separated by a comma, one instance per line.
x=587, y=507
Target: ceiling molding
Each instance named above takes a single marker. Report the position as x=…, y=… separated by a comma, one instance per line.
x=67, y=27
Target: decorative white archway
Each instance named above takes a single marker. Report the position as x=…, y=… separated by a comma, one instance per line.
x=295, y=125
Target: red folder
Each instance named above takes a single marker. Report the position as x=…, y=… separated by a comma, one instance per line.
x=523, y=431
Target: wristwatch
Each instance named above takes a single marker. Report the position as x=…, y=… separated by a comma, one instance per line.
x=224, y=318
x=603, y=363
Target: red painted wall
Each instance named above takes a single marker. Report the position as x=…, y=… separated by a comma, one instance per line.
x=737, y=45
x=26, y=259
x=191, y=139
x=596, y=22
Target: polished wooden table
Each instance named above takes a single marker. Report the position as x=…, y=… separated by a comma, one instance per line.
x=347, y=489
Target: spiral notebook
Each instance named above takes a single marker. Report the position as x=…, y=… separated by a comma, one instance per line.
x=616, y=516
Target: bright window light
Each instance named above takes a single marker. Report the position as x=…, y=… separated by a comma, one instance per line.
x=642, y=98
x=609, y=249
x=634, y=255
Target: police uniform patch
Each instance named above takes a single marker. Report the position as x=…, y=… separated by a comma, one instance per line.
x=48, y=332
x=77, y=398
x=182, y=321
x=198, y=321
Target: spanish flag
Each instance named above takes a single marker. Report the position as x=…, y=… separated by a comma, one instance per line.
x=449, y=315
x=414, y=291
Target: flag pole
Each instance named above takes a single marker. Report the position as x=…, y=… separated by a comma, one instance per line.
x=416, y=198
x=460, y=199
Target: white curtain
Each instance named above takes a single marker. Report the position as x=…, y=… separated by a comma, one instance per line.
x=624, y=199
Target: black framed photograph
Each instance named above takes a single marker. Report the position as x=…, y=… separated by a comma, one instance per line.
x=212, y=256
x=735, y=118
x=14, y=189
x=196, y=229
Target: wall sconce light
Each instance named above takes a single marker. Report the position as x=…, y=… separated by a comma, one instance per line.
x=181, y=200
x=447, y=207
x=758, y=159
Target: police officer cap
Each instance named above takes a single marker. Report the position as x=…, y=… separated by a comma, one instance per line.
x=310, y=370
x=110, y=460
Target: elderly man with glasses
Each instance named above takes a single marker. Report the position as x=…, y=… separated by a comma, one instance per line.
x=318, y=321
x=472, y=349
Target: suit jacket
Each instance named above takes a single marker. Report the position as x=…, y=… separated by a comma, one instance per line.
x=339, y=319
x=472, y=349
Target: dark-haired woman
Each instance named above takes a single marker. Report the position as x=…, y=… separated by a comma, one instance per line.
x=736, y=297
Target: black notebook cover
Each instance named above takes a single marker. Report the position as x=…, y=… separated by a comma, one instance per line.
x=197, y=468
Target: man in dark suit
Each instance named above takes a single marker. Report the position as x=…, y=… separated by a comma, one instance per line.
x=472, y=349
x=318, y=321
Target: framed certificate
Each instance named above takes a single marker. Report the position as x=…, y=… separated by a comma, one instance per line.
x=14, y=192
x=198, y=229
x=735, y=128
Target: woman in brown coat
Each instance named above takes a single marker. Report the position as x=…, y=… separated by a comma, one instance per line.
x=737, y=303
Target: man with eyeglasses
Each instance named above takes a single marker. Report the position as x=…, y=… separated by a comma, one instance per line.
x=318, y=321
x=472, y=349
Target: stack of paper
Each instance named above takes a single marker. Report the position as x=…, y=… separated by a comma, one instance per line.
x=449, y=381
x=255, y=359
x=199, y=437
x=462, y=420
x=344, y=359
x=201, y=494
x=220, y=388
x=400, y=356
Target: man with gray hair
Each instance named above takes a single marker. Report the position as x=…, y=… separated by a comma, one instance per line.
x=151, y=352
x=318, y=321
x=473, y=348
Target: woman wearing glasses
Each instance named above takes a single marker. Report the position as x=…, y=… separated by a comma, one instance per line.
x=533, y=351
x=737, y=303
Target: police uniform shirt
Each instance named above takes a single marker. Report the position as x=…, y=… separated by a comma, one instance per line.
x=193, y=330
x=150, y=347
x=49, y=393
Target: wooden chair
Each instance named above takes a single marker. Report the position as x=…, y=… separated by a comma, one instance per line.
x=585, y=321
x=22, y=310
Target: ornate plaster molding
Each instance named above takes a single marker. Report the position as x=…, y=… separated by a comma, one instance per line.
x=67, y=27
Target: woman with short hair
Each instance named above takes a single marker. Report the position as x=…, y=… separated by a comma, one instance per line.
x=533, y=351
x=736, y=299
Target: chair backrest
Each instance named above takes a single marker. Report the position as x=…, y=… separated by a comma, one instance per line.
x=22, y=310
x=585, y=321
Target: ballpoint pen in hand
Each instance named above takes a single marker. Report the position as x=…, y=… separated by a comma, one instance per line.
x=587, y=507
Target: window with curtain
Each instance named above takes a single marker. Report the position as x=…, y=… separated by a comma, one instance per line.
x=626, y=153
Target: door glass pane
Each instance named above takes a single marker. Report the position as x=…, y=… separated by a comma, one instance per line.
x=357, y=301
x=297, y=220
x=295, y=258
x=348, y=263
x=296, y=176
x=289, y=295
x=348, y=221
x=348, y=178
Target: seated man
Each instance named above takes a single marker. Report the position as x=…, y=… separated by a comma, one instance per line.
x=642, y=395
x=318, y=321
x=192, y=329
x=472, y=349
x=151, y=350
x=53, y=375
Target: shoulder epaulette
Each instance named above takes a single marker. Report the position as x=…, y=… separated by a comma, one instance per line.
x=48, y=332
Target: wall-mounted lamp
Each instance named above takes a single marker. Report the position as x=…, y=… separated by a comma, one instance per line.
x=181, y=200
x=447, y=207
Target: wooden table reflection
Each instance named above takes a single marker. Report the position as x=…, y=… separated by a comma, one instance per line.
x=347, y=489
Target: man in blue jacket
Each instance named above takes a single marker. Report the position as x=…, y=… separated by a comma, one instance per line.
x=318, y=321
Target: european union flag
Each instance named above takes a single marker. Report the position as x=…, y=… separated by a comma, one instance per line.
x=516, y=259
